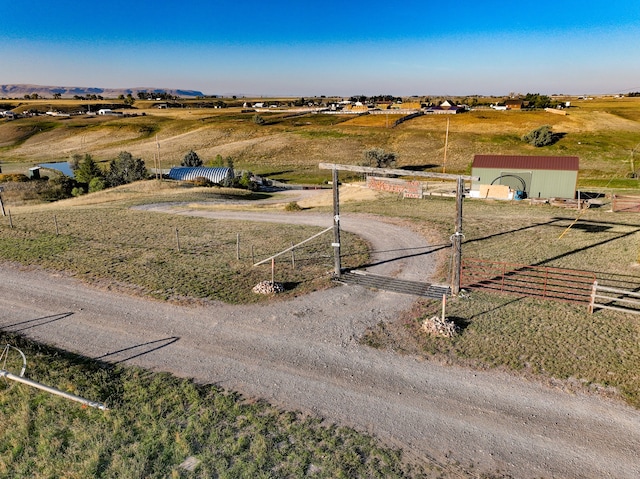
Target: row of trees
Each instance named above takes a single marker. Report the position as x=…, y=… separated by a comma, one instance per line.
x=144, y=95
x=193, y=160
x=89, y=177
x=88, y=97
x=375, y=98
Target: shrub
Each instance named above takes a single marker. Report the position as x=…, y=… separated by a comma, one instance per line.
x=202, y=181
x=97, y=184
x=542, y=136
x=293, y=206
x=59, y=188
x=379, y=158
x=16, y=177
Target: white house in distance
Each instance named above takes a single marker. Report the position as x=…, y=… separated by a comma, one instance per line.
x=108, y=111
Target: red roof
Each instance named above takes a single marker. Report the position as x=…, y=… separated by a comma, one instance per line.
x=564, y=163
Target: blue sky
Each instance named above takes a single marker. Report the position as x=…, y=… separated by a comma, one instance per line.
x=313, y=48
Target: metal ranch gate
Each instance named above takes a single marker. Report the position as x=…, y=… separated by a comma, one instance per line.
x=535, y=281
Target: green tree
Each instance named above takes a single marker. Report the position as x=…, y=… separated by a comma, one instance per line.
x=87, y=170
x=536, y=100
x=191, y=159
x=97, y=184
x=539, y=137
x=125, y=169
x=378, y=158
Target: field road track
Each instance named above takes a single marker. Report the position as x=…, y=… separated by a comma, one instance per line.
x=302, y=354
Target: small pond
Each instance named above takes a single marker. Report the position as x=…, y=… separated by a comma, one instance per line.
x=62, y=166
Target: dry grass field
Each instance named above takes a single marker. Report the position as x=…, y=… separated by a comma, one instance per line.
x=601, y=132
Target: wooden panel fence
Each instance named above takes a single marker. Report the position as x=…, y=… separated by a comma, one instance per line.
x=536, y=281
x=604, y=297
x=625, y=203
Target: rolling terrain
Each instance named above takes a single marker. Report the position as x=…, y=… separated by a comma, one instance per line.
x=604, y=134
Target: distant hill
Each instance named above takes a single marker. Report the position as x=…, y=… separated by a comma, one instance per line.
x=20, y=90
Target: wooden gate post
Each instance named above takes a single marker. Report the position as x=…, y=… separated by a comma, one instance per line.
x=336, y=225
x=457, y=239
x=594, y=292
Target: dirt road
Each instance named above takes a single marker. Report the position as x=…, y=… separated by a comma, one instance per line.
x=303, y=354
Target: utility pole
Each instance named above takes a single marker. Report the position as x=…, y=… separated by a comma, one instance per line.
x=446, y=145
x=336, y=224
x=159, y=164
x=457, y=239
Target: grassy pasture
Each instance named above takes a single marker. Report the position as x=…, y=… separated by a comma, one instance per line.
x=107, y=241
x=157, y=421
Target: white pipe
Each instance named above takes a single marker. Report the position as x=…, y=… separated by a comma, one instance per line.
x=51, y=390
x=293, y=247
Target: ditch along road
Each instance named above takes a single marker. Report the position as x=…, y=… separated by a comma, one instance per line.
x=303, y=354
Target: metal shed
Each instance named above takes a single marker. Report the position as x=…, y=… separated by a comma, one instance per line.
x=188, y=173
x=537, y=176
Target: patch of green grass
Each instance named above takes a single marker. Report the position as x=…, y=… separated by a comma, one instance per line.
x=156, y=421
x=325, y=134
x=548, y=339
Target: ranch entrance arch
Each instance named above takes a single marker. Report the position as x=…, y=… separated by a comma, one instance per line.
x=456, y=238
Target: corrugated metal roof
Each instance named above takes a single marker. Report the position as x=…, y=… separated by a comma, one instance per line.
x=187, y=173
x=570, y=163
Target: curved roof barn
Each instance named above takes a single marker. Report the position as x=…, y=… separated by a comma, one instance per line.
x=188, y=173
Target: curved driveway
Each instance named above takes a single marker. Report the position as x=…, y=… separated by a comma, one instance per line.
x=303, y=354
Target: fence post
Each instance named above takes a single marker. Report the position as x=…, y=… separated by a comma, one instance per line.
x=177, y=240
x=10, y=219
x=293, y=257
x=238, y=246
x=593, y=297
x=273, y=270
x=55, y=220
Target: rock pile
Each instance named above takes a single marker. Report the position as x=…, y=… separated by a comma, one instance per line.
x=437, y=326
x=268, y=287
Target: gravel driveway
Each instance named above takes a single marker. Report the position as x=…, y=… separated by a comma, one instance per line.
x=302, y=354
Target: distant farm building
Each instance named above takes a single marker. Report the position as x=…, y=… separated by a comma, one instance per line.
x=190, y=173
x=108, y=111
x=515, y=177
x=514, y=104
